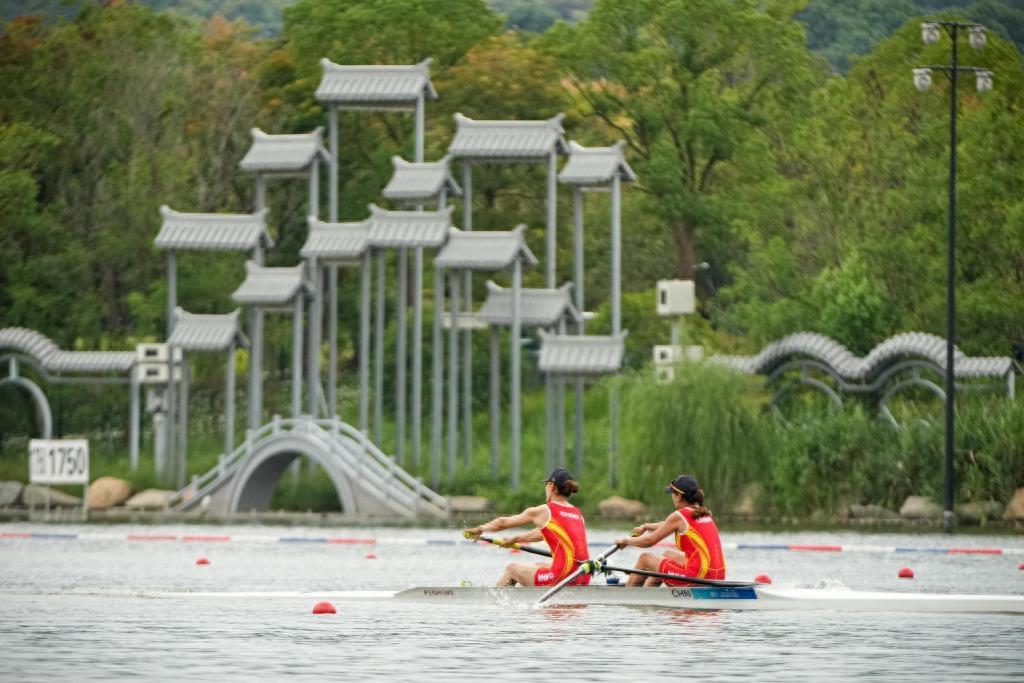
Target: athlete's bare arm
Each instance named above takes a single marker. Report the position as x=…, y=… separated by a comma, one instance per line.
x=536, y=516
x=531, y=536
x=673, y=523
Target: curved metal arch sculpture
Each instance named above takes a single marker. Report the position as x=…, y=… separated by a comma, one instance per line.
x=873, y=374
x=778, y=375
x=43, y=412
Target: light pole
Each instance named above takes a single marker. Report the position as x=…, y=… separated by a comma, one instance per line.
x=930, y=33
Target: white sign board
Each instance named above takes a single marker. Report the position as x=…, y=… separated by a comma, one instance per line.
x=58, y=461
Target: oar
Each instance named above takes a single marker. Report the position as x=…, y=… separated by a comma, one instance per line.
x=525, y=548
x=718, y=583
x=586, y=567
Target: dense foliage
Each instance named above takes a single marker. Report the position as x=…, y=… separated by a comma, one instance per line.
x=817, y=200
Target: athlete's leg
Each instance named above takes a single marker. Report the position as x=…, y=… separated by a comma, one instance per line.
x=674, y=556
x=517, y=573
x=648, y=562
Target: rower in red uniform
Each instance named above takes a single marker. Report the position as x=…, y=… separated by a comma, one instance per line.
x=558, y=523
x=698, y=550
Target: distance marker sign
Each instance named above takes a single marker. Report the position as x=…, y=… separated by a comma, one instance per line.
x=58, y=461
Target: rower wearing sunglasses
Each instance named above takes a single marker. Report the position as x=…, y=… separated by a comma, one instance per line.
x=698, y=550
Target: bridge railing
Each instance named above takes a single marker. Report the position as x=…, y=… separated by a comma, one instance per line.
x=388, y=462
x=229, y=463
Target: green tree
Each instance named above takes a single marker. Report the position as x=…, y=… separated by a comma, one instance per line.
x=701, y=92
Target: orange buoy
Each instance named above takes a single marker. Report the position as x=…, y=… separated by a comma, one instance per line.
x=763, y=578
x=202, y=561
x=324, y=608
x=371, y=556
x=906, y=573
x=1021, y=567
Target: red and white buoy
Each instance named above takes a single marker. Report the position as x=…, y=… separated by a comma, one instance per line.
x=202, y=561
x=324, y=608
x=371, y=556
x=763, y=578
x=906, y=573
x=1021, y=567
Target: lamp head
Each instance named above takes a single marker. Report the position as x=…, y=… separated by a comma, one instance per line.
x=929, y=32
x=923, y=79
x=976, y=37
x=983, y=80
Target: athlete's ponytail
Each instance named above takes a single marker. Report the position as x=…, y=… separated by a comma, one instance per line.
x=697, y=500
x=567, y=488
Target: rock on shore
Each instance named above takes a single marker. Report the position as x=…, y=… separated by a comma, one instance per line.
x=979, y=511
x=920, y=507
x=35, y=495
x=10, y=493
x=107, y=492
x=618, y=507
x=1015, y=508
x=870, y=512
x=150, y=499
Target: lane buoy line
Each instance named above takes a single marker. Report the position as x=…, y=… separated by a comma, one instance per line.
x=386, y=540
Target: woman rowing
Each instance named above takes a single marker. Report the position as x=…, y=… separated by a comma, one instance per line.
x=698, y=550
x=558, y=523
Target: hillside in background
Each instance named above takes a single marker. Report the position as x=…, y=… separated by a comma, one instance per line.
x=836, y=29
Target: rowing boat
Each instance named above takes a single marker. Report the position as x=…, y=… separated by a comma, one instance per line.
x=759, y=597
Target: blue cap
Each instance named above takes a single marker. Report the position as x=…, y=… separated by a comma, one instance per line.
x=685, y=485
x=559, y=477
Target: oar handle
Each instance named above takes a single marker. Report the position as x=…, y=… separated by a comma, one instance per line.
x=517, y=546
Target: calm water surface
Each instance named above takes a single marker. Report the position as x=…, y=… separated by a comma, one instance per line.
x=101, y=609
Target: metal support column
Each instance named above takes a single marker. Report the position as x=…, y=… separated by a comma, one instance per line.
x=453, y=373
x=613, y=402
x=133, y=423
x=172, y=289
x=417, y=356
x=401, y=360
x=437, y=381
x=378, y=394
x=183, y=423
x=578, y=289
x=948, y=518
x=514, y=362
x=495, y=400
x=332, y=336
x=255, y=367
x=332, y=191
x=315, y=332
x=467, y=334
x=229, y=409
x=297, y=357
x=364, y=343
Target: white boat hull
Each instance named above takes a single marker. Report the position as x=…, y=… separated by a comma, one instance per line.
x=761, y=597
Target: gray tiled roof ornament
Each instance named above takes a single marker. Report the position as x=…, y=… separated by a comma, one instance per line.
x=395, y=229
x=50, y=358
x=490, y=250
x=205, y=332
x=342, y=243
x=375, y=87
x=290, y=153
x=581, y=355
x=508, y=141
x=271, y=286
x=850, y=368
x=419, y=183
x=595, y=167
x=539, y=308
x=182, y=231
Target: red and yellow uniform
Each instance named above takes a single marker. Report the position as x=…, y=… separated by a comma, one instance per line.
x=703, y=549
x=566, y=536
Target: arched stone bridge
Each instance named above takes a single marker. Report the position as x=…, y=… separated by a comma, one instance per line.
x=368, y=482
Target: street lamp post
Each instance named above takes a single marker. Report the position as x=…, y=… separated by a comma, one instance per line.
x=930, y=34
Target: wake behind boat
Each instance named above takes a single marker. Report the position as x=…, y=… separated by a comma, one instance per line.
x=759, y=597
